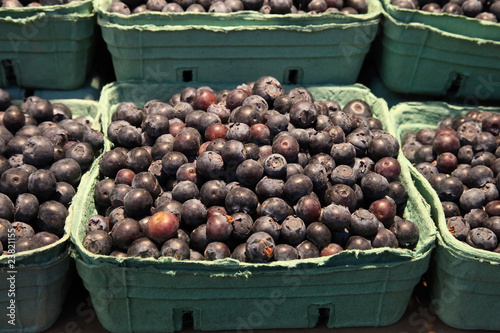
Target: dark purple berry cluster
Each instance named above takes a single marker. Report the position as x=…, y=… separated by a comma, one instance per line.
x=128, y=7
x=43, y=155
x=460, y=161
x=254, y=173
x=488, y=10
x=33, y=3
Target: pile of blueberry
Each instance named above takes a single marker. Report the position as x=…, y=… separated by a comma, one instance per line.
x=43, y=155
x=31, y=3
x=128, y=7
x=253, y=173
x=460, y=161
x=488, y=10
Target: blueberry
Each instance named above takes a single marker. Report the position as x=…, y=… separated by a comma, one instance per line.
x=241, y=199
x=40, y=109
x=129, y=137
x=317, y=173
x=450, y=189
x=233, y=151
x=125, y=232
x=45, y=238
x=476, y=217
x=293, y=230
x=172, y=161
x=343, y=153
x=374, y=186
x=242, y=226
x=23, y=230
x=26, y=244
x=363, y=223
x=198, y=238
x=193, y=213
x=238, y=132
x=102, y=192
x=184, y=191
x=52, y=217
x=482, y=238
x=490, y=191
x=306, y=250
x=26, y=208
x=406, y=232
x=260, y=247
x=461, y=172
x=341, y=119
x=308, y=208
x=139, y=159
x=284, y=252
x=38, y=151
x=249, y=172
x=219, y=227
x=276, y=208
x=450, y=208
x=216, y=250
x=493, y=223
x=358, y=243
x=115, y=215
x=358, y=107
x=275, y=166
x=187, y=141
x=472, y=199
x=344, y=174
x=478, y=176
x=297, y=186
x=97, y=222
x=67, y=170
x=98, y=242
x=143, y=247
x=384, y=238
x=175, y=248
x=239, y=253
x=111, y=162
x=266, y=87
x=331, y=249
x=14, y=182
x=268, y=225
x=318, y=234
x=42, y=183
x=137, y=202
x=303, y=114
x=118, y=193
x=341, y=194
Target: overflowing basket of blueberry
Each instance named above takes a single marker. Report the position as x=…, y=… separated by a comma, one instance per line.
x=201, y=183
x=454, y=154
x=46, y=149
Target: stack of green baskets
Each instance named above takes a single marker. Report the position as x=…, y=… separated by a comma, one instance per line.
x=46, y=47
x=42, y=276
x=465, y=287
x=238, y=47
x=355, y=288
x=439, y=54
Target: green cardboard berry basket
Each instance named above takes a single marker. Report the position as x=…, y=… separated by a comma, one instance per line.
x=294, y=48
x=42, y=277
x=47, y=47
x=355, y=288
x=439, y=54
x=465, y=288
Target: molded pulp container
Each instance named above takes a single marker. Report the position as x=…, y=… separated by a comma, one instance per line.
x=237, y=47
x=42, y=276
x=46, y=47
x=355, y=288
x=465, y=287
x=439, y=54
